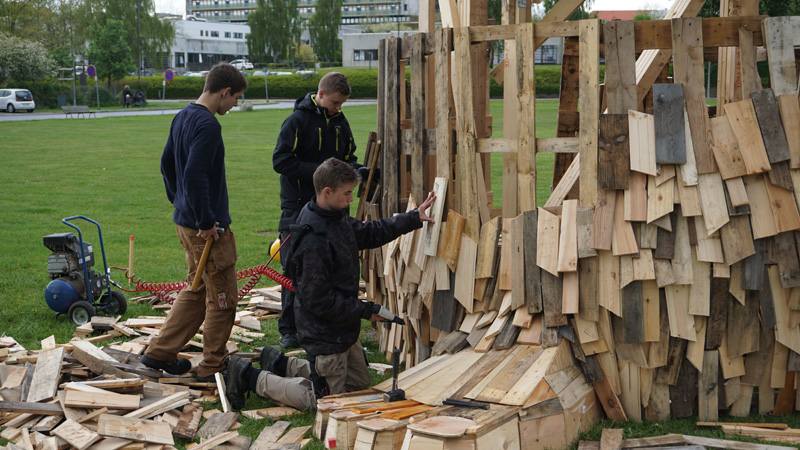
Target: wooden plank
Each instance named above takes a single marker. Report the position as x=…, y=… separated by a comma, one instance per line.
x=611, y=439
x=46, y=375
x=726, y=149
x=533, y=291
x=443, y=42
x=785, y=333
x=608, y=287
x=526, y=94
x=487, y=248
x=742, y=117
x=465, y=272
x=682, y=266
x=788, y=261
x=620, y=79
x=761, y=218
x=712, y=197
x=94, y=399
x=642, y=142
x=391, y=152
x=188, y=422
x=633, y=313
x=669, y=124
x=784, y=207
x=76, y=434
x=769, y=121
x=687, y=41
x=660, y=199
x=552, y=296
x=466, y=133
x=779, y=37
x=790, y=118
x=431, y=232
x=450, y=244
x=521, y=390
x=218, y=424
x=603, y=220
x=680, y=322
x=568, y=238
x=708, y=402
x=589, y=93
x=613, y=166
x=135, y=429
x=547, y=234
x=623, y=240
x=417, y=106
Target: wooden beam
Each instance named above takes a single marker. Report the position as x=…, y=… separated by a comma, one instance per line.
x=589, y=93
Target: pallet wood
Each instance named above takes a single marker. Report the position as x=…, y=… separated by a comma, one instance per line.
x=465, y=273
x=742, y=117
x=613, y=166
x=726, y=149
x=547, y=233
x=135, y=429
x=46, y=375
x=76, y=435
x=188, y=422
x=450, y=243
x=669, y=124
x=642, y=142
x=589, y=117
x=431, y=232
x=568, y=238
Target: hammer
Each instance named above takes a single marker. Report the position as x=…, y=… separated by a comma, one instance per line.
x=201, y=265
x=395, y=394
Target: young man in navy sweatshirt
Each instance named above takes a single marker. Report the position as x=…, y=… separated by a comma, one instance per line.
x=193, y=166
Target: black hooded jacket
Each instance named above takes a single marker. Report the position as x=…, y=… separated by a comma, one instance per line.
x=307, y=138
x=325, y=270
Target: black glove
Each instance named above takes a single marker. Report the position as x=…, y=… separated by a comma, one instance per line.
x=363, y=172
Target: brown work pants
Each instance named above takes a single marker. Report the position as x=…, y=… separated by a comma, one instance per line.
x=343, y=372
x=212, y=305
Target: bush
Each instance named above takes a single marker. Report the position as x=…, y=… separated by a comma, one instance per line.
x=45, y=94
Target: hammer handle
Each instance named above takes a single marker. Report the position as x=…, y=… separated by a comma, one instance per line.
x=395, y=367
x=201, y=266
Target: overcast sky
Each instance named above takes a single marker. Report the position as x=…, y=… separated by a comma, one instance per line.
x=179, y=6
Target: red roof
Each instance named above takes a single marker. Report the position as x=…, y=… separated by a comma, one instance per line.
x=616, y=15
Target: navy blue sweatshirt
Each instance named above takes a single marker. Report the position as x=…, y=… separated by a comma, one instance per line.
x=193, y=166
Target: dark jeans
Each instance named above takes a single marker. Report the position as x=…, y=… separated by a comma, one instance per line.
x=286, y=320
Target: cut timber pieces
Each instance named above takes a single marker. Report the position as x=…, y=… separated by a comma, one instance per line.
x=742, y=117
x=669, y=124
x=780, y=34
x=430, y=232
x=46, y=375
x=548, y=238
x=465, y=273
x=613, y=166
x=642, y=142
x=589, y=93
x=76, y=434
x=450, y=243
x=466, y=133
x=135, y=429
x=568, y=241
x=526, y=95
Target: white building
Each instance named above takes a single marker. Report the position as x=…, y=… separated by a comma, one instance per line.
x=200, y=44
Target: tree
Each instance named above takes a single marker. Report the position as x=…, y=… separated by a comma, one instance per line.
x=643, y=15
x=62, y=56
x=274, y=26
x=109, y=51
x=324, y=30
x=23, y=60
x=583, y=11
x=156, y=36
x=305, y=55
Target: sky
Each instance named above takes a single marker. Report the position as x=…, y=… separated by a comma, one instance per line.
x=179, y=6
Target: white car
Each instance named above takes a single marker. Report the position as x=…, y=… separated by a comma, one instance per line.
x=242, y=64
x=14, y=99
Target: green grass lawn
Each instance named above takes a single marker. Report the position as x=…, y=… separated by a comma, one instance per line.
x=108, y=169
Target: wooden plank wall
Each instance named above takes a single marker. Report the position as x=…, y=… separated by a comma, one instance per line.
x=674, y=268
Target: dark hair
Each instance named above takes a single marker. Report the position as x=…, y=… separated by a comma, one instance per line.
x=333, y=173
x=224, y=75
x=335, y=82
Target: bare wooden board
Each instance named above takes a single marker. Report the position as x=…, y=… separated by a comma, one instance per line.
x=548, y=237
x=46, y=375
x=450, y=243
x=520, y=392
x=726, y=149
x=568, y=239
x=613, y=166
x=742, y=117
x=269, y=435
x=135, y=429
x=790, y=117
x=430, y=232
x=769, y=121
x=642, y=142
x=669, y=124
x=465, y=273
x=76, y=434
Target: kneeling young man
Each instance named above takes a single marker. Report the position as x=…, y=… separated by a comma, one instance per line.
x=325, y=268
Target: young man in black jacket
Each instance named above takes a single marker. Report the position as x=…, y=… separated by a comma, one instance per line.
x=193, y=167
x=325, y=269
x=315, y=131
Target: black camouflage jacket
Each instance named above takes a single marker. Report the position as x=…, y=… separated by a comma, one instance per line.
x=325, y=269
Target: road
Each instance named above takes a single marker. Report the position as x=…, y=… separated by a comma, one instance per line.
x=20, y=116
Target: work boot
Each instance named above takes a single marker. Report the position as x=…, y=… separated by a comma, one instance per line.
x=174, y=367
x=289, y=341
x=269, y=359
x=211, y=379
x=236, y=385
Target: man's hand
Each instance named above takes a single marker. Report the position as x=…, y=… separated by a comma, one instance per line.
x=375, y=318
x=424, y=207
x=209, y=233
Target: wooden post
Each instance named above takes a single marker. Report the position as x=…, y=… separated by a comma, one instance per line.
x=417, y=117
x=391, y=153
x=526, y=118
x=589, y=93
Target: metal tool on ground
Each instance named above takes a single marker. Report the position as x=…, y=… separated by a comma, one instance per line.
x=75, y=289
x=464, y=403
x=387, y=315
x=201, y=266
x=396, y=394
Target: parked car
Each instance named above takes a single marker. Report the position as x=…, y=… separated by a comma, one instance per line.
x=258, y=73
x=242, y=64
x=145, y=73
x=14, y=99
